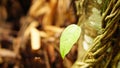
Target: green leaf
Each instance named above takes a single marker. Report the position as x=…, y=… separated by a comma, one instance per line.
x=69, y=37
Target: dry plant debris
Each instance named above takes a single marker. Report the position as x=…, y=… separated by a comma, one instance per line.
x=30, y=31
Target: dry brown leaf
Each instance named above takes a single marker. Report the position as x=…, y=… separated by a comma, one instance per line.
x=43, y=34
x=3, y=13
x=51, y=52
x=52, y=11
x=35, y=39
x=16, y=45
x=63, y=7
x=49, y=17
x=27, y=31
x=42, y=11
x=7, y=53
x=37, y=4
x=54, y=29
x=46, y=8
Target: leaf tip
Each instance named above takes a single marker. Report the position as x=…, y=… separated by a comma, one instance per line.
x=63, y=56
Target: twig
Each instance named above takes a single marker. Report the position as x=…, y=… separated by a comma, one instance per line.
x=46, y=59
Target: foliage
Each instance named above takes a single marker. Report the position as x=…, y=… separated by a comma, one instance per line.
x=69, y=37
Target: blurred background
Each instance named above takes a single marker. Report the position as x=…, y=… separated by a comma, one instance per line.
x=30, y=31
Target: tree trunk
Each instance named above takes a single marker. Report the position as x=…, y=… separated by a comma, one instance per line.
x=99, y=43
